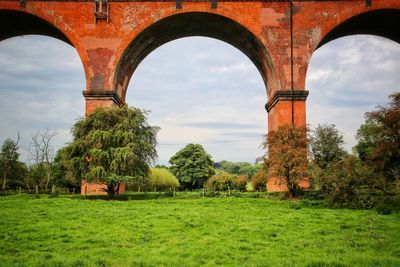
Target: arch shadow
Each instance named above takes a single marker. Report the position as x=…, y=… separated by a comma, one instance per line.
x=15, y=23
x=381, y=22
x=187, y=25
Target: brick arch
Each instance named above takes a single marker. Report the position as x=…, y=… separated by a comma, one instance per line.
x=380, y=22
x=14, y=22
x=192, y=24
x=382, y=19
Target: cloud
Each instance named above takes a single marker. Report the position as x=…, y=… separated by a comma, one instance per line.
x=237, y=67
x=41, y=80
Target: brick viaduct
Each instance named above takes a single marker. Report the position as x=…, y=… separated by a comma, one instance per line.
x=279, y=36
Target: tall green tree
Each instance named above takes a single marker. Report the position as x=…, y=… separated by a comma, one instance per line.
x=326, y=145
x=9, y=164
x=111, y=146
x=287, y=156
x=379, y=139
x=367, y=140
x=192, y=165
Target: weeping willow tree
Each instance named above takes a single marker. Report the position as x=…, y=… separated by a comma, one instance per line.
x=111, y=146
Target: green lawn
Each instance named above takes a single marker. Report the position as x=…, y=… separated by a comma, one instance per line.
x=71, y=231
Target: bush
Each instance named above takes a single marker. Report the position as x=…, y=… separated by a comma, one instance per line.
x=259, y=180
x=161, y=179
x=220, y=182
x=240, y=183
x=346, y=183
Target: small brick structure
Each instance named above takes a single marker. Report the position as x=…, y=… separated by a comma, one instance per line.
x=90, y=188
x=279, y=36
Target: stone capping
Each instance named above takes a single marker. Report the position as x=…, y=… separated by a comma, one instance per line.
x=103, y=95
x=286, y=95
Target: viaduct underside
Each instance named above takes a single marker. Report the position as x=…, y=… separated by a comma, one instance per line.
x=113, y=37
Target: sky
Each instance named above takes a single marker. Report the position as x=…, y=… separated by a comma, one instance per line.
x=199, y=90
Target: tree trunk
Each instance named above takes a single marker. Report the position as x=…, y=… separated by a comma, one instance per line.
x=46, y=186
x=4, y=182
x=110, y=190
x=117, y=191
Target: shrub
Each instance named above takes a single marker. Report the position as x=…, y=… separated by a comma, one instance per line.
x=344, y=183
x=259, y=180
x=220, y=182
x=161, y=179
x=240, y=183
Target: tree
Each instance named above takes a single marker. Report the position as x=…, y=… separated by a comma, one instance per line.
x=62, y=169
x=367, y=140
x=9, y=161
x=379, y=139
x=287, y=156
x=111, y=146
x=326, y=145
x=41, y=155
x=192, y=165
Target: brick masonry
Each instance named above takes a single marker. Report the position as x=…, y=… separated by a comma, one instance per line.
x=98, y=188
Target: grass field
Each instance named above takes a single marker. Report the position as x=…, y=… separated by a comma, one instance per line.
x=191, y=231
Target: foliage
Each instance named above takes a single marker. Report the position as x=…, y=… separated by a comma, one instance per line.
x=343, y=181
x=37, y=177
x=221, y=181
x=240, y=183
x=192, y=165
x=161, y=178
x=367, y=140
x=379, y=143
x=326, y=145
x=111, y=146
x=259, y=180
x=11, y=170
x=162, y=232
x=62, y=170
x=287, y=156
x=240, y=168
